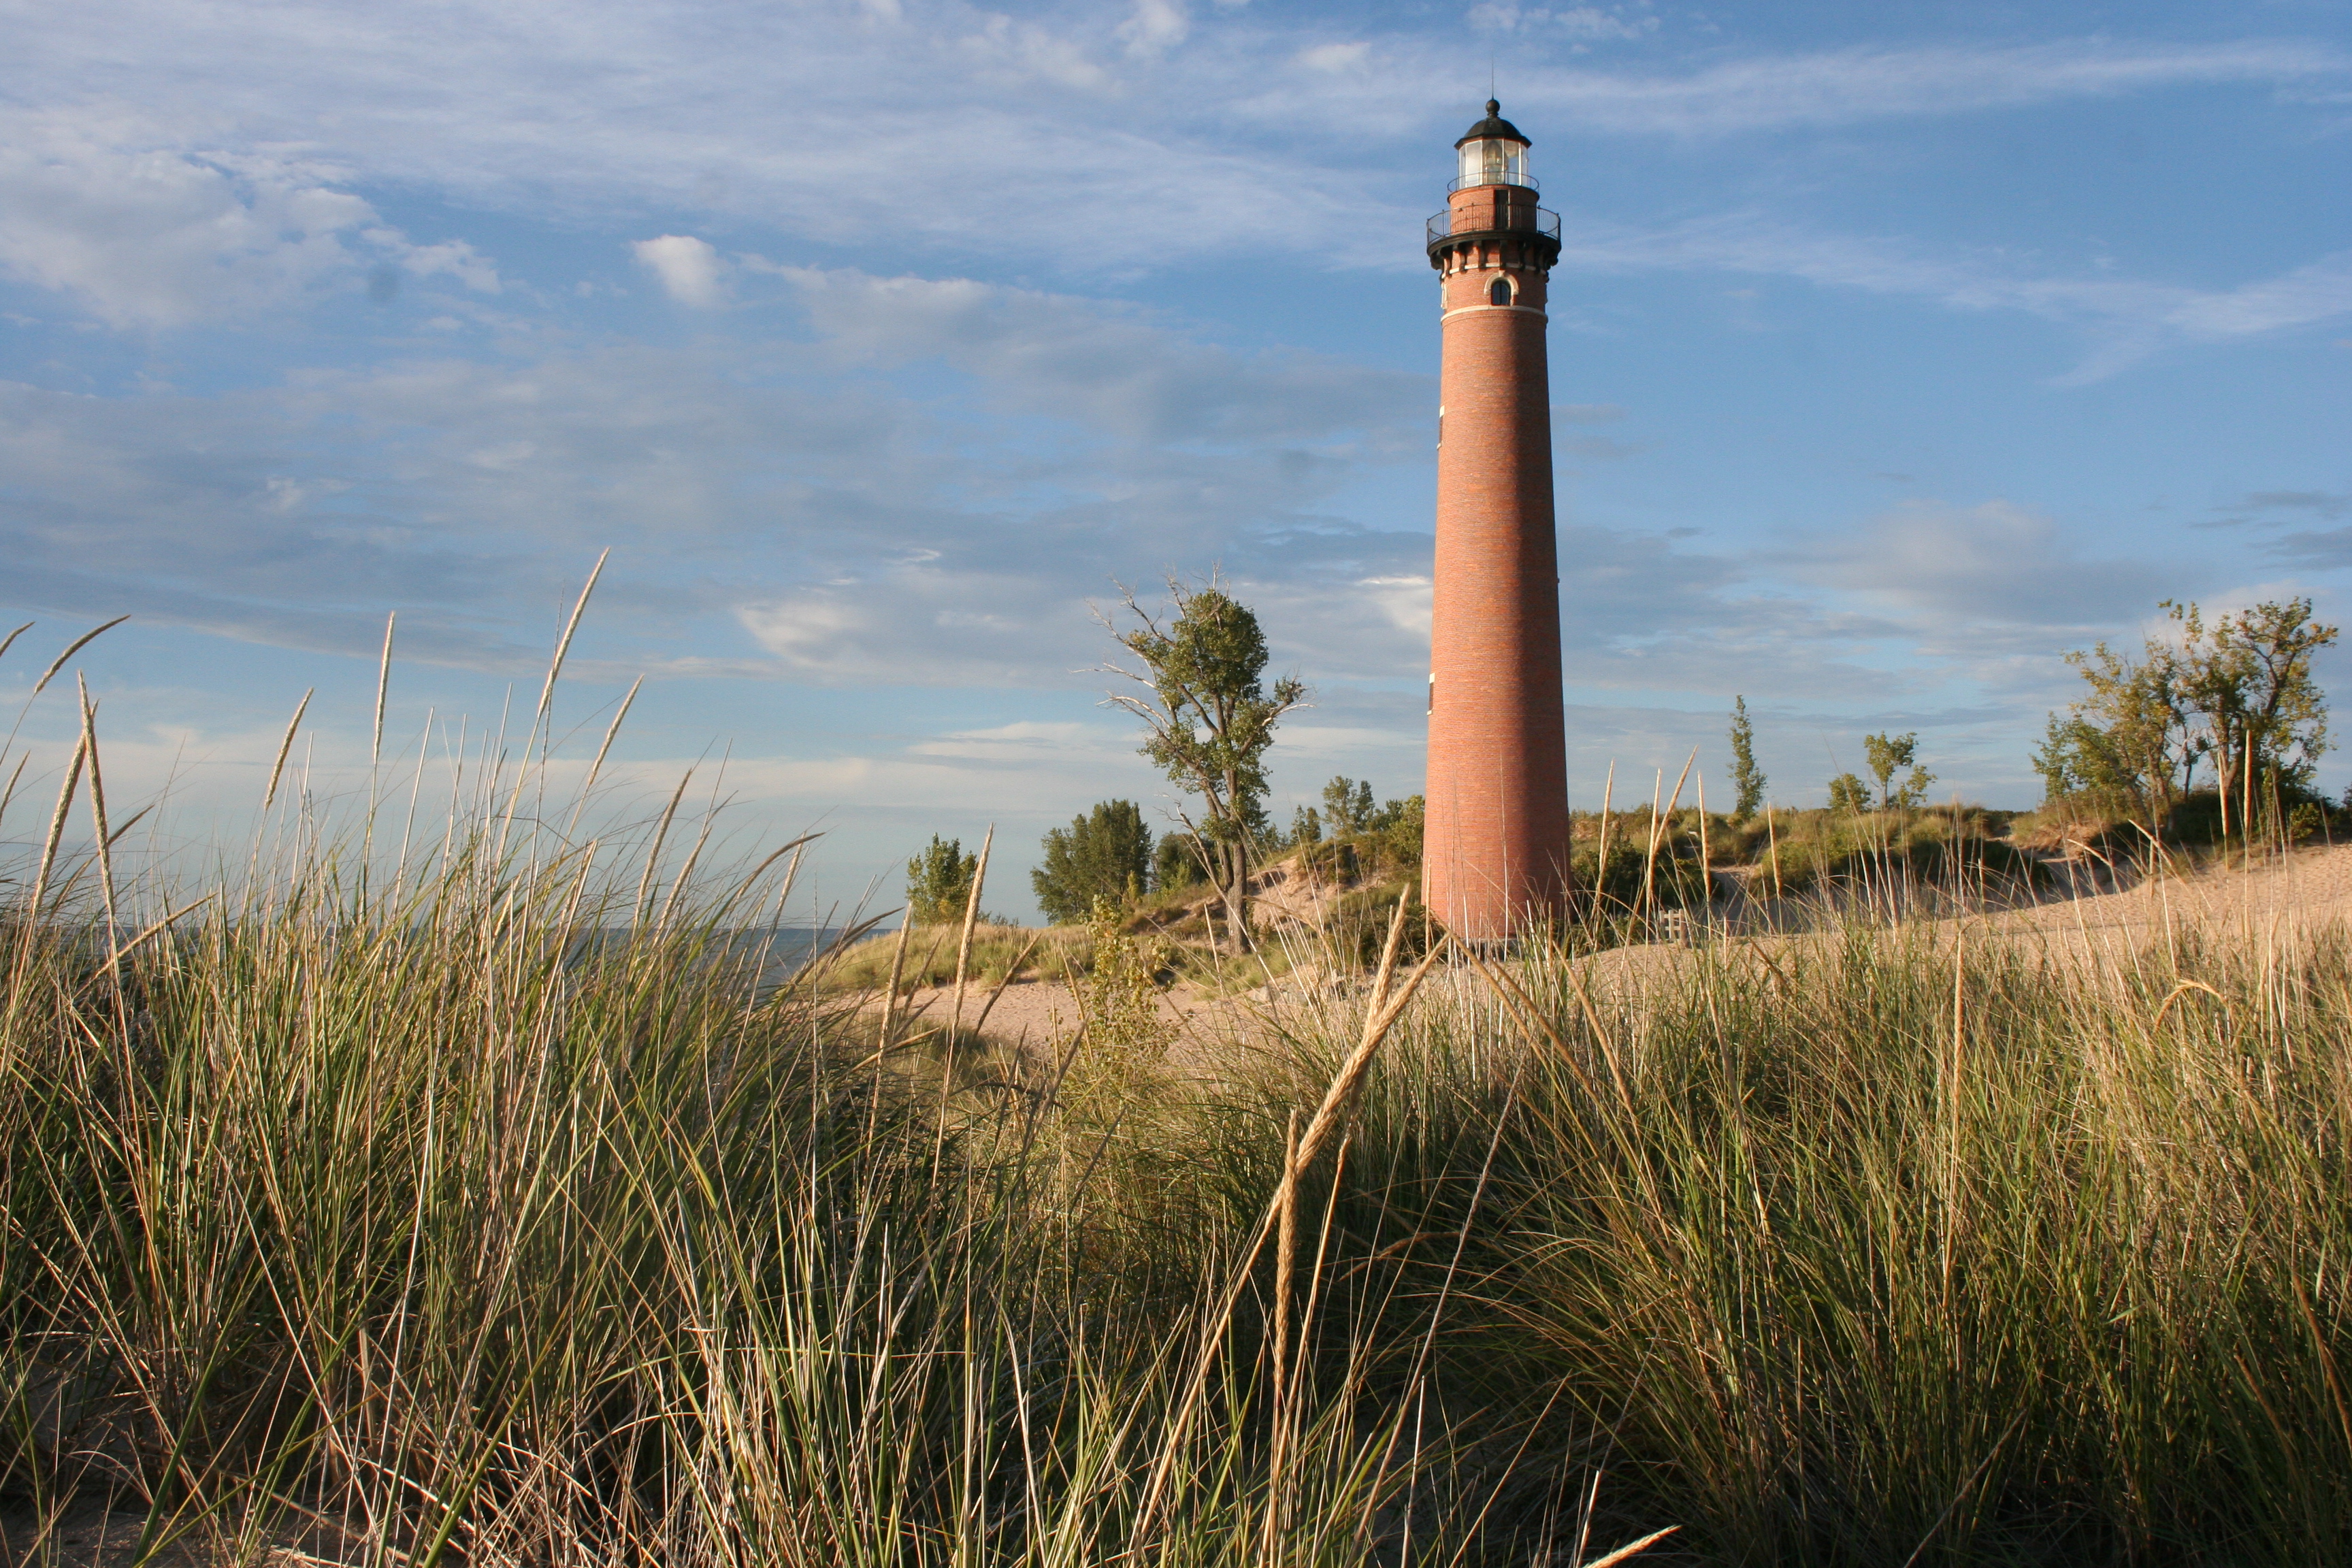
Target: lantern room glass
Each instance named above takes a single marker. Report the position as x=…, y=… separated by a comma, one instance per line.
x=1493, y=161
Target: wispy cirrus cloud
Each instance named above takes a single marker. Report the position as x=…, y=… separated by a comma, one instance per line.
x=1396, y=91
x=824, y=119
x=1846, y=87
x=2125, y=319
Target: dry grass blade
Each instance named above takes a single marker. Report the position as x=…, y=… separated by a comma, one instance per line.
x=564, y=643
x=684, y=878
x=1650, y=841
x=1011, y=969
x=1342, y=1087
x=897, y=970
x=653, y=853
x=588, y=785
x=1390, y=946
x=10, y=640
x=1600, y=1035
x=1705, y=851
x=964, y=945
x=1632, y=1549
x=1285, y=1259
x=57, y=831
x=383, y=690
x=1351, y=1072
x=1600, y=856
x=1675, y=800
x=9, y=794
x=270, y=795
x=72, y=648
x=2183, y=989
x=136, y=943
x=104, y=840
x=748, y=883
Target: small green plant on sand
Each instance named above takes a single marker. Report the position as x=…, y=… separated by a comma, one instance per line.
x=1118, y=999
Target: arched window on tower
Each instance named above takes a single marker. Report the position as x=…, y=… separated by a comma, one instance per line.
x=1500, y=294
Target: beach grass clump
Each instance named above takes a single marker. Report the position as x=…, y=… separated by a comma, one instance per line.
x=497, y=1202
x=499, y=1205
x=1883, y=1248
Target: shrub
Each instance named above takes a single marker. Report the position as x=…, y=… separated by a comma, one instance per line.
x=939, y=881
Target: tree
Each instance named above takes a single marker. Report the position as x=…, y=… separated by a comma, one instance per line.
x=1347, y=802
x=2130, y=744
x=1104, y=855
x=1848, y=793
x=1887, y=755
x=1209, y=718
x=1306, y=828
x=2238, y=693
x=1177, y=863
x=2248, y=681
x=939, y=881
x=1745, y=777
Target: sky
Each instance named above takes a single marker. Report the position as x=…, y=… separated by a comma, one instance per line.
x=1896, y=350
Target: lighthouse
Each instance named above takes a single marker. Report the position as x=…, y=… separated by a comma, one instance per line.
x=1496, y=844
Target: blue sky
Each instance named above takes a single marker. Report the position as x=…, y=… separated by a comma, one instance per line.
x=1896, y=349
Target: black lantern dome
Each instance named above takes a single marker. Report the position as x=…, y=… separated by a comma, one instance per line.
x=1493, y=152
x=1495, y=128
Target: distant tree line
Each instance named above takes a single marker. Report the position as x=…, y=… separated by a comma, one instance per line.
x=2230, y=705
x=1108, y=854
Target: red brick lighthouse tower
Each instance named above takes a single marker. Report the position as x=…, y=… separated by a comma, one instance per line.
x=1495, y=845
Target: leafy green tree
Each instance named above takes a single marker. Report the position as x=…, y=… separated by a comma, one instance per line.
x=1209, y=717
x=1848, y=793
x=1887, y=755
x=1105, y=856
x=1177, y=863
x=1306, y=828
x=939, y=881
x=1745, y=777
x=2249, y=680
x=2238, y=694
x=2130, y=744
x=1399, y=824
x=1348, y=804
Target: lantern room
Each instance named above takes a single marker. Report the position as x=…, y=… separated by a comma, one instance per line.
x=1493, y=152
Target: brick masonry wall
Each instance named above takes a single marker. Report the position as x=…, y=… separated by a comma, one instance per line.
x=1497, y=845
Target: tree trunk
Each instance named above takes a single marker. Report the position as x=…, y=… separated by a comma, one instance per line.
x=1237, y=896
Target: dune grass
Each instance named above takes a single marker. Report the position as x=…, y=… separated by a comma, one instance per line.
x=486, y=1204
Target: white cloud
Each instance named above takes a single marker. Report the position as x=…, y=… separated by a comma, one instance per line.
x=1334, y=56
x=1106, y=365
x=1994, y=564
x=1580, y=22
x=1844, y=87
x=1405, y=601
x=778, y=499
x=2127, y=319
x=1155, y=27
x=145, y=235
x=149, y=237
x=783, y=115
x=688, y=267
x=456, y=258
x=1015, y=53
